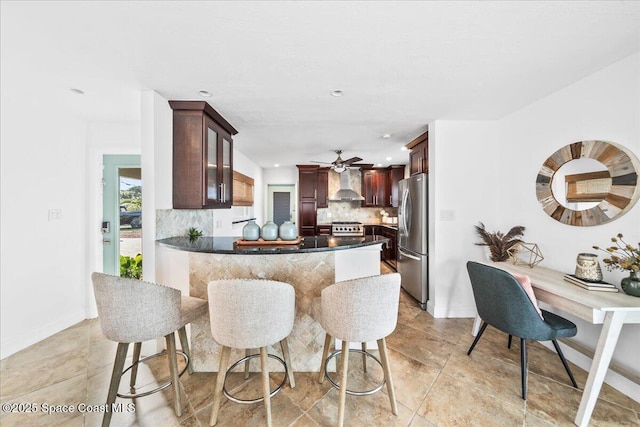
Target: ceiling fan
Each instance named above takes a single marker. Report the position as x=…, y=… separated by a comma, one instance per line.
x=340, y=165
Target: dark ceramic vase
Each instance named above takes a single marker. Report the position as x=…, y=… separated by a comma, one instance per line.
x=631, y=284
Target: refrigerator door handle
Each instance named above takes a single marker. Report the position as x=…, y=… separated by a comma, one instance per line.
x=403, y=253
x=405, y=196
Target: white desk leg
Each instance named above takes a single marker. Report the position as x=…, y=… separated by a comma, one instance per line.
x=476, y=325
x=611, y=327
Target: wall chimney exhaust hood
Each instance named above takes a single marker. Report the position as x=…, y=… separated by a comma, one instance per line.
x=345, y=193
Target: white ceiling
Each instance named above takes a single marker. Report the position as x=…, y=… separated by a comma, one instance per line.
x=271, y=66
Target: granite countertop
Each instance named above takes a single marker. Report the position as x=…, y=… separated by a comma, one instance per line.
x=381, y=224
x=226, y=245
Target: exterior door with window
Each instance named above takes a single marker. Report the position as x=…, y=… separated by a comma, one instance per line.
x=122, y=215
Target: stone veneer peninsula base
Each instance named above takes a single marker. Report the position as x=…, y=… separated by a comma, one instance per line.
x=308, y=272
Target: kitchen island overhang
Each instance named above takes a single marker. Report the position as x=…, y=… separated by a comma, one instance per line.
x=317, y=262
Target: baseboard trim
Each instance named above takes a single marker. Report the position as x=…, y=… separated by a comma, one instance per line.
x=13, y=345
x=622, y=380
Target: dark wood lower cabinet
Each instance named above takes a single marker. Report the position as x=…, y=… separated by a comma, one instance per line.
x=389, y=252
x=323, y=230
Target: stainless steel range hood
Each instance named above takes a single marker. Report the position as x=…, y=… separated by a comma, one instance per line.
x=345, y=193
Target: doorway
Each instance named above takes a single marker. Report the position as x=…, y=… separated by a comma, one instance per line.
x=281, y=203
x=122, y=215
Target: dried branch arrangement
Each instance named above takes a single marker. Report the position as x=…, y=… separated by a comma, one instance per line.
x=499, y=243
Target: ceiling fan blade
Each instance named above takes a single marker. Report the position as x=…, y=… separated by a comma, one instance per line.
x=351, y=160
x=324, y=163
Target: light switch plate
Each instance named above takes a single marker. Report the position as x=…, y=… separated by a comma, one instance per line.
x=55, y=214
x=447, y=215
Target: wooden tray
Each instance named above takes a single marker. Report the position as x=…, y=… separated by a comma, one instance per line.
x=261, y=242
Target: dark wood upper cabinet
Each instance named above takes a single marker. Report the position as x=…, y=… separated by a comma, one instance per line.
x=375, y=188
x=419, y=154
x=396, y=174
x=202, y=157
x=323, y=187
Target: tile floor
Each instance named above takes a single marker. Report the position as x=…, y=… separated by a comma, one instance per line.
x=436, y=384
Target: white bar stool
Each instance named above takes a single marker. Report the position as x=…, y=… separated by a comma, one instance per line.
x=360, y=310
x=134, y=311
x=247, y=314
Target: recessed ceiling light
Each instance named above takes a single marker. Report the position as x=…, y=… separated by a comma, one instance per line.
x=277, y=165
x=78, y=91
x=204, y=93
x=389, y=158
x=337, y=93
x=404, y=149
x=386, y=136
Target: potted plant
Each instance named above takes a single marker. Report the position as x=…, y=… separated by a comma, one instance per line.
x=131, y=267
x=499, y=243
x=193, y=234
x=624, y=257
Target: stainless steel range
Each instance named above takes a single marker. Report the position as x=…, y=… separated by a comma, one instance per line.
x=347, y=228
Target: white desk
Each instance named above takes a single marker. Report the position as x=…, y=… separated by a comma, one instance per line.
x=610, y=309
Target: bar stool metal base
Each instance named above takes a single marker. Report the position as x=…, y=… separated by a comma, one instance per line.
x=260, y=399
x=354, y=392
x=159, y=388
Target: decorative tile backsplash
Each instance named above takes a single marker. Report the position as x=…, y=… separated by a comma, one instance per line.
x=176, y=222
x=349, y=211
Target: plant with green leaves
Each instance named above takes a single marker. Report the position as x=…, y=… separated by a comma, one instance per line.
x=194, y=233
x=131, y=267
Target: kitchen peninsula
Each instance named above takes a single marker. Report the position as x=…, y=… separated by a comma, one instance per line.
x=317, y=262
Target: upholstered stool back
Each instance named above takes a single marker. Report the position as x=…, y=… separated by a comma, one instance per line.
x=361, y=310
x=248, y=313
x=135, y=311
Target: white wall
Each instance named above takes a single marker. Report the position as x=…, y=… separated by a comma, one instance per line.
x=486, y=171
x=603, y=106
x=462, y=185
x=156, y=134
x=42, y=276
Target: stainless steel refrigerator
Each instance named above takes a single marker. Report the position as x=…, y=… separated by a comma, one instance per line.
x=413, y=225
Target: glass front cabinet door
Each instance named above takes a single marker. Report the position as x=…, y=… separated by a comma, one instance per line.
x=202, y=157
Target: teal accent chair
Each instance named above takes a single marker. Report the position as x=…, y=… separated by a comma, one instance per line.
x=502, y=303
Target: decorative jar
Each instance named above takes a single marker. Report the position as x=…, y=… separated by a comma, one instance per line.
x=288, y=231
x=588, y=268
x=270, y=231
x=251, y=231
x=631, y=285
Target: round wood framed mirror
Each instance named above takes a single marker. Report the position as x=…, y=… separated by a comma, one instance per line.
x=588, y=183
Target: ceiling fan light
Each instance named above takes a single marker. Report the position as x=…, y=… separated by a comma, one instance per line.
x=340, y=168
